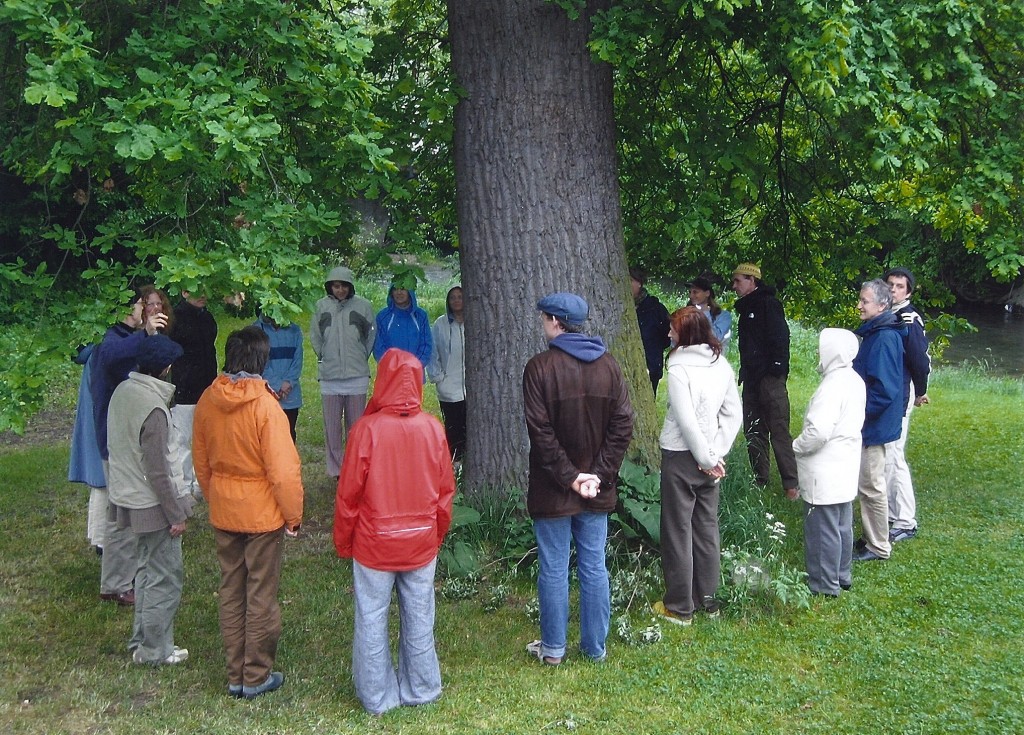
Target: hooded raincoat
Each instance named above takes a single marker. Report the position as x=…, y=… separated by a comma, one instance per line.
x=406, y=329
x=828, y=449
x=342, y=332
x=394, y=499
x=246, y=464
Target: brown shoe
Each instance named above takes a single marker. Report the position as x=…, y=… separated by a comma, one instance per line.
x=125, y=599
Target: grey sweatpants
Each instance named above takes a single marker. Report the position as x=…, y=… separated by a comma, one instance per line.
x=828, y=546
x=418, y=679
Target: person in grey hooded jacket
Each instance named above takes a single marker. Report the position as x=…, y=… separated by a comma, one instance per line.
x=342, y=332
x=447, y=369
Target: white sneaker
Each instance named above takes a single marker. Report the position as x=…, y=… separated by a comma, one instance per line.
x=178, y=655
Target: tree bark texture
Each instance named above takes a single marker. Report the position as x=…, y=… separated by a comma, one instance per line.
x=538, y=208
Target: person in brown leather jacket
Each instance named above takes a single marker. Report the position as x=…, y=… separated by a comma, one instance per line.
x=580, y=423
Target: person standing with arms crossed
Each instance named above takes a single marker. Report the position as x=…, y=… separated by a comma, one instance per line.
x=917, y=366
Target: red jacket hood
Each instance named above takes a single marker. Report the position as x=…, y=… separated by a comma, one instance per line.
x=398, y=388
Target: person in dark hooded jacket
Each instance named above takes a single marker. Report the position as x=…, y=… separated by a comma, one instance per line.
x=764, y=367
x=580, y=422
x=392, y=511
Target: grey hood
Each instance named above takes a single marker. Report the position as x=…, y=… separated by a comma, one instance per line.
x=343, y=274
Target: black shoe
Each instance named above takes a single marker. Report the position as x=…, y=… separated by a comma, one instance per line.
x=867, y=554
x=901, y=534
x=859, y=545
x=846, y=587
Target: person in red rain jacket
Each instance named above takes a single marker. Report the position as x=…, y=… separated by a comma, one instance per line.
x=393, y=509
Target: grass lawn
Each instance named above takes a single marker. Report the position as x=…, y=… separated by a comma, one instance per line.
x=928, y=642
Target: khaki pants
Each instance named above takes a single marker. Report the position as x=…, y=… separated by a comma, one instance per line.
x=250, y=617
x=874, y=501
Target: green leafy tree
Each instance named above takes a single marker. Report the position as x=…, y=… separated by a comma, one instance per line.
x=822, y=139
x=210, y=141
x=201, y=143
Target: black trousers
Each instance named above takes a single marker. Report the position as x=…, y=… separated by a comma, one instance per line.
x=454, y=414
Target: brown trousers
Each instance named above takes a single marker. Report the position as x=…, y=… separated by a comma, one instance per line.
x=250, y=617
x=766, y=419
x=690, y=545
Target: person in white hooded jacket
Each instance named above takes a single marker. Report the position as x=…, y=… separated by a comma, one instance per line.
x=828, y=461
x=704, y=416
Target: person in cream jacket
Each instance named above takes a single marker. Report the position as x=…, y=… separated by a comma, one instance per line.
x=828, y=460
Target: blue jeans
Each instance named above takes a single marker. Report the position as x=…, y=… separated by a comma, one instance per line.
x=588, y=531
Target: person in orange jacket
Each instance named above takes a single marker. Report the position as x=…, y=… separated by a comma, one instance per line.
x=393, y=509
x=250, y=474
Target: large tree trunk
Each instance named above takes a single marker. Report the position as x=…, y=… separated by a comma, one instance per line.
x=538, y=208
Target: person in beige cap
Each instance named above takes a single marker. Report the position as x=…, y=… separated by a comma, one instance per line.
x=764, y=367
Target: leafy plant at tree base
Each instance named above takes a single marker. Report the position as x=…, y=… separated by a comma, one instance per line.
x=639, y=514
x=756, y=568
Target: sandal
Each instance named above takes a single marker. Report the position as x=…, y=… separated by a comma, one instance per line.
x=533, y=648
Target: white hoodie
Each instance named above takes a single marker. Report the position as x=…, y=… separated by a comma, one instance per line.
x=704, y=409
x=828, y=449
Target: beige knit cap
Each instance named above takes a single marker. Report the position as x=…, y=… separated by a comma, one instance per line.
x=748, y=269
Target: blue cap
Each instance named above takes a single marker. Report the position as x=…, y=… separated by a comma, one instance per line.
x=568, y=307
x=157, y=352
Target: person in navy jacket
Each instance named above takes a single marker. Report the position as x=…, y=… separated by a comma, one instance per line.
x=880, y=363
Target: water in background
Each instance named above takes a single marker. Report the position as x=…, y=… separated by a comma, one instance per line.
x=997, y=346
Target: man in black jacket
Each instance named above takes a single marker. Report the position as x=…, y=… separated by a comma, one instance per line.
x=652, y=317
x=764, y=367
x=195, y=330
